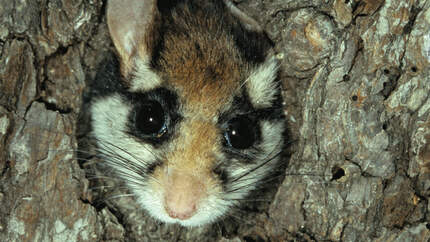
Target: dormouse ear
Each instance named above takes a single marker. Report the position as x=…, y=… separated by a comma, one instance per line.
x=128, y=22
x=247, y=22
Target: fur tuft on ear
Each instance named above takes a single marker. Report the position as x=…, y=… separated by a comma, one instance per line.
x=247, y=22
x=128, y=22
x=262, y=85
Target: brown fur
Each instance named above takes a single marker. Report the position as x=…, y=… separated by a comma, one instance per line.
x=200, y=61
x=195, y=148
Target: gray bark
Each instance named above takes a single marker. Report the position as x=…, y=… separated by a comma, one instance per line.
x=356, y=89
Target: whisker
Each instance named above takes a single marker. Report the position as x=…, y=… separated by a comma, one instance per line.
x=257, y=167
x=307, y=174
x=238, y=218
x=130, y=178
x=114, y=158
x=250, y=200
x=153, y=179
x=107, y=146
x=119, y=196
x=108, y=178
x=267, y=177
x=144, y=147
x=264, y=162
x=246, y=156
x=237, y=214
x=103, y=200
x=104, y=186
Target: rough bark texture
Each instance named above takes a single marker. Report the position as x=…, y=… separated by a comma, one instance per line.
x=356, y=79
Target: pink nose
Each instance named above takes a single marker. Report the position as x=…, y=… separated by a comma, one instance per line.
x=181, y=211
x=183, y=195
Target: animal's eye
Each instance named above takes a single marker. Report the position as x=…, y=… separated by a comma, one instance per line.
x=240, y=133
x=150, y=119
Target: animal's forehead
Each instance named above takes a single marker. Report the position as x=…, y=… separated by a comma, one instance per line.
x=206, y=74
x=205, y=54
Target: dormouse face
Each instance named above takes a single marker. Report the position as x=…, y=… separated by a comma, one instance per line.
x=189, y=113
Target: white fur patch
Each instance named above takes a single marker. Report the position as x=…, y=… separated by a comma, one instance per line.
x=272, y=136
x=261, y=84
x=144, y=78
x=209, y=210
x=109, y=119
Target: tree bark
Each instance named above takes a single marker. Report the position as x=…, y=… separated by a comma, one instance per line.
x=357, y=102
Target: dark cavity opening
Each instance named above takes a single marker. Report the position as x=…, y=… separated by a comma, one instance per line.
x=337, y=173
x=346, y=78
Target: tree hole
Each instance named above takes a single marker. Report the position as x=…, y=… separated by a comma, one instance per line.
x=346, y=78
x=253, y=239
x=337, y=173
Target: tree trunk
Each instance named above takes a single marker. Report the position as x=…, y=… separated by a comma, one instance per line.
x=357, y=102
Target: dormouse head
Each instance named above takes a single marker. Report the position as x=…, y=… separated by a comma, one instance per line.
x=192, y=118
